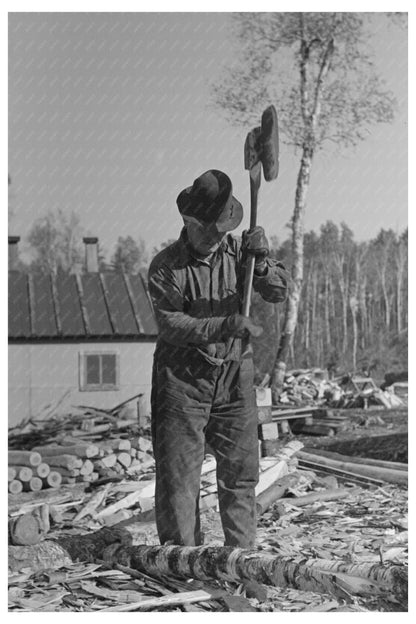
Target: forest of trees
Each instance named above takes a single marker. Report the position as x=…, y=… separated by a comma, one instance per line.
x=353, y=310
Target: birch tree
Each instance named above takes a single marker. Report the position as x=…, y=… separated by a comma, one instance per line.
x=317, y=69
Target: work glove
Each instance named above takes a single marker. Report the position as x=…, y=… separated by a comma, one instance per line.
x=239, y=326
x=255, y=242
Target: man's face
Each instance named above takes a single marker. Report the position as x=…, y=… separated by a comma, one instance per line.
x=205, y=239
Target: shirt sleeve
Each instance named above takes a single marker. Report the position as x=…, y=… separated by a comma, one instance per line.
x=273, y=285
x=176, y=327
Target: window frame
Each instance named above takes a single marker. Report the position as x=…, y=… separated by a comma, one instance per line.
x=83, y=385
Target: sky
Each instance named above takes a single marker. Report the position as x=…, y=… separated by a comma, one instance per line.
x=110, y=116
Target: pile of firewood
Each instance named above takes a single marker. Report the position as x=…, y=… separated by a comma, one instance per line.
x=73, y=461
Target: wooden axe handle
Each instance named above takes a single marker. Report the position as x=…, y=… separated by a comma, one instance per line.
x=255, y=179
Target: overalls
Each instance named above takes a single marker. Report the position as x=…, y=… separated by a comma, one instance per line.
x=202, y=390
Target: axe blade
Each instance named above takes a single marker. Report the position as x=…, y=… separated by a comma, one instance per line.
x=270, y=143
x=251, y=148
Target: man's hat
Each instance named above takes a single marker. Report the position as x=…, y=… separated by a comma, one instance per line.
x=210, y=200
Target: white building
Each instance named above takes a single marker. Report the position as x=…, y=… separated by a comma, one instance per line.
x=80, y=339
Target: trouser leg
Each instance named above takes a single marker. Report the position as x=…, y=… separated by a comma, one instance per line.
x=178, y=442
x=232, y=434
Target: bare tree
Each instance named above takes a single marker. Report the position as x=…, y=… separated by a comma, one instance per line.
x=317, y=69
x=56, y=240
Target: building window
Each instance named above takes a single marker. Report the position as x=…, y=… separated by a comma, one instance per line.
x=99, y=371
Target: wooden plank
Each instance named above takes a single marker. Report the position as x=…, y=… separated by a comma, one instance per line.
x=171, y=600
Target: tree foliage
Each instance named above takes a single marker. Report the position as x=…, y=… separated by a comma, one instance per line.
x=56, y=240
x=129, y=255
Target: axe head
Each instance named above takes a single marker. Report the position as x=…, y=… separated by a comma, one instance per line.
x=252, y=148
x=270, y=144
x=262, y=145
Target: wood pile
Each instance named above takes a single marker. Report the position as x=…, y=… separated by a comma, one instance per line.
x=312, y=387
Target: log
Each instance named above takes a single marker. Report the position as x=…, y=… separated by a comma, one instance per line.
x=383, y=474
x=84, y=451
x=114, y=545
x=15, y=486
x=116, y=445
x=23, y=473
x=34, y=485
x=69, y=462
x=324, y=495
x=267, y=497
x=358, y=460
x=29, y=528
x=53, y=479
x=42, y=470
x=24, y=458
x=87, y=468
x=105, y=462
x=11, y=473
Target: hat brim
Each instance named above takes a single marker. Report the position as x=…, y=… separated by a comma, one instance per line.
x=229, y=220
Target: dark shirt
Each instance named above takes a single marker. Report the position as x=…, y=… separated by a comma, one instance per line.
x=192, y=297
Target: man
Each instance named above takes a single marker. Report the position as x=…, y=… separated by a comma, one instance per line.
x=202, y=387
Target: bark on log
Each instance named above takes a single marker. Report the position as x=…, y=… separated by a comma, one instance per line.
x=325, y=495
x=84, y=451
x=210, y=562
x=69, y=462
x=383, y=474
x=24, y=458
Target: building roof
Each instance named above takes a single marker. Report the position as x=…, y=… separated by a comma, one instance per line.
x=89, y=306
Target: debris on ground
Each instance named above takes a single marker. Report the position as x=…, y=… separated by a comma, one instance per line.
x=328, y=512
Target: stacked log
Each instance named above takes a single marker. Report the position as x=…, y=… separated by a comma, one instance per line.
x=72, y=461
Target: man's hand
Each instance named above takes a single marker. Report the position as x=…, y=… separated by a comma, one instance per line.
x=255, y=242
x=239, y=326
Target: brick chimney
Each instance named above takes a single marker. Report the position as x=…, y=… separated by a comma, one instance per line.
x=13, y=252
x=91, y=254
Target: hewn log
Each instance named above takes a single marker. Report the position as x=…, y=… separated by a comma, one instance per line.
x=24, y=458
x=113, y=545
x=11, y=473
x=358, y=460
x=124, y=459
x=384, y=474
